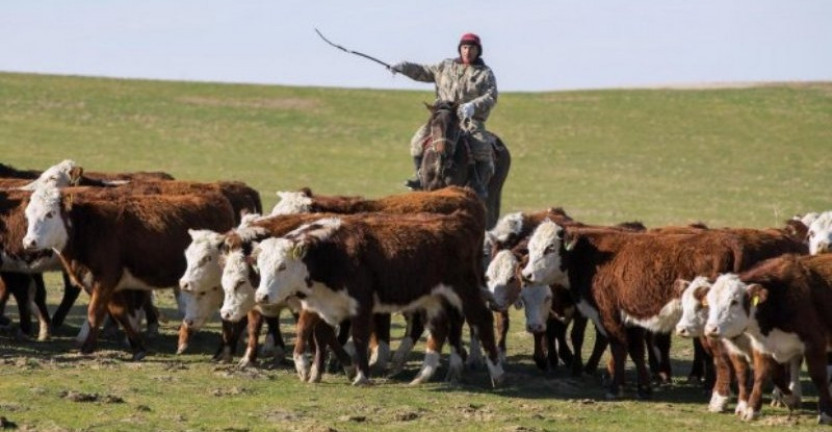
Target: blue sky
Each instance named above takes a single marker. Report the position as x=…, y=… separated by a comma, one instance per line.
x=531, y=45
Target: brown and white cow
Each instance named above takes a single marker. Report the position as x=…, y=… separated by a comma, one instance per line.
x=385, y=263
x=624, y=281
x=133, y=242
x=731, y=355
x=782, y=305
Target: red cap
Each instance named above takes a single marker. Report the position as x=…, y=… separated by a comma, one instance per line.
x=470, y=39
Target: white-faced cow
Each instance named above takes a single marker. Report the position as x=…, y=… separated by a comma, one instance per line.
x=385, y=263
x=134, y=242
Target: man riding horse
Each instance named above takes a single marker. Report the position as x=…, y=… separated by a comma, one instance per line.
x=469, y=83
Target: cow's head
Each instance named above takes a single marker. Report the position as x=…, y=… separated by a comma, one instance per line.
x=546, y=246
x=292, y=203
x=282, y=270
x=820, y=234
x=203, y=271
x=731, y=306
x=694, y=306
x=237, y=285
x=200, y=306
x=502, y=280
x=537, y=302
x=61, y=174
x=47, y=227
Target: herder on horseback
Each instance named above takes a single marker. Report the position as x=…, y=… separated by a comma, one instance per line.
x=467, y=82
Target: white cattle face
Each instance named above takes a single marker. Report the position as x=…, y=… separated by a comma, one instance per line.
x=820, y=234
x=200, y=306
x=501, y=279
x=731, y=306
x=694, y=307
x=46, y=228
x=537, y=302
x=237, y=287
x=203, y=271
x=545, y=260
x=291, y=203
x=282, y=270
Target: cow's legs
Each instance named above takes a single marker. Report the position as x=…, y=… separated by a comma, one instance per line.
x=481, y=321
x=455, y=323
x=120, y=309
x=324, y=336
x=556, y=337
x=616, y=367
x=437, y=334
x=71, y=293
x=598, y=349
x=577, y=336
x=415, y=328
x=502, y=320
x=39, y=306
x=741, y=370
x=635, y=339
x=540, y=350
x=255, y=326
x=185, y=335
x=659, y=355
x=380, y=342
x=360, y=330
x=307, y=321
x=274, y=345
x=96, y=311
x=229, y=339
x=816, y=364
x=722, y=385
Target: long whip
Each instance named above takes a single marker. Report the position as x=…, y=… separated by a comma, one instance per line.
x=368, y=57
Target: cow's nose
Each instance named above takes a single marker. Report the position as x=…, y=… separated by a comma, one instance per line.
x=712, y=331
x=29, y=244
x=225, y=315
x=184, y=285
x=681, y=331
x=823, y=247
x=526, y=278
x=535, y=328
x=188, y=322
x=261, y=298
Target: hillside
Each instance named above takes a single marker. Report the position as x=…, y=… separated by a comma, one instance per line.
x=725, y=156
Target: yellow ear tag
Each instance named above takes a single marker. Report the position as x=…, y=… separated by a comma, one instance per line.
x=755, y=301
x=705, y=302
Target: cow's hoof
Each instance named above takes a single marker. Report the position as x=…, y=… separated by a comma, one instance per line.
x=351, y=372
x=139, y=355
x=314, y=374
x=498, y=381
x=181, y=349
x=644, y=393
x=717, y=403
x=824, y=418
x=244, y=363
x=750, y=414
x=741, y=408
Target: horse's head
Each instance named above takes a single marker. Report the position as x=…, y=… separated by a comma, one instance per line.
x=443, y=137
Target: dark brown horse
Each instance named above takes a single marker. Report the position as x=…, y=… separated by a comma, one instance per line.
x=447, y=159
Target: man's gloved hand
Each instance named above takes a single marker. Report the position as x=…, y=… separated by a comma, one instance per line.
x=397, y=68
x=466, y=111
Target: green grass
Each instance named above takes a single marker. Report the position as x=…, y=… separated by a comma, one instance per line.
x=727, y=157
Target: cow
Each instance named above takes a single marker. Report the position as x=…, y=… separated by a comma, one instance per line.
x=343, y=268
x=729, y=354
x=624, y=281
x=444, y=201
x=133, y=242
x=782, y=305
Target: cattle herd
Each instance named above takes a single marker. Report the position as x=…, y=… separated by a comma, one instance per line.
x=753, y=302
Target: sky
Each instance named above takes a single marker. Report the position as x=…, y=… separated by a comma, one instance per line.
x=530, y=45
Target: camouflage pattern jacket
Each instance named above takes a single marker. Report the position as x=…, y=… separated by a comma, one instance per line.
x=457, y=82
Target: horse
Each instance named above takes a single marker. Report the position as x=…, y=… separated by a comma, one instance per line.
x=447, y=159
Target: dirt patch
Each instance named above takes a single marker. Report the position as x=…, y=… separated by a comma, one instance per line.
x=270, y=103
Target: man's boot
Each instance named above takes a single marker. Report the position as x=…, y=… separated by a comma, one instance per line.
x=483, y=170
x=414, y=183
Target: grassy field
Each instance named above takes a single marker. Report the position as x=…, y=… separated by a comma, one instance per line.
x=727, y=157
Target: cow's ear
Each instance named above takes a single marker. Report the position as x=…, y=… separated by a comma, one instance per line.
x=251, y=261
x=757, y=294
x=67, y=202
x=569, y=240
x=701, y=294
x=75, y=175
x=299, y=251
x=679, y=287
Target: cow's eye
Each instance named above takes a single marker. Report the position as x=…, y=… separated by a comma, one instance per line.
x=50, y=215
x=734, y=302
x=281, y=267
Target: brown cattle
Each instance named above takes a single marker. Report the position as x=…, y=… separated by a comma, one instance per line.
x=624, y=281
x=133, y=242
x=349, y=268
x=783, y=306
